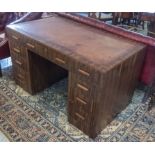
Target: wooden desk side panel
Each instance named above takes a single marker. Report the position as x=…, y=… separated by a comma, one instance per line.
x=114, y=91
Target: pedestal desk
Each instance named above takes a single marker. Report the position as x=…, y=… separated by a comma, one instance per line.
x=102, y=68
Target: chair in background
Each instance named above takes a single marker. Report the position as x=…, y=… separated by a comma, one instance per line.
x=122, y=17
x=93, y=15
x=150, y=18
x=102, y=16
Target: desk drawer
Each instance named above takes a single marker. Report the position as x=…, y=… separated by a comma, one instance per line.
x=37, y=48
x=17, y=51
x=23, y=84
x=20, y=77
x=15, y=37
x=82, y=92
x=14, y=44
x=42, y=50
x=80, y=122
x=85, y=75
x=19, y=62
x=30, y=44
x=60, y=59
x=82, y=107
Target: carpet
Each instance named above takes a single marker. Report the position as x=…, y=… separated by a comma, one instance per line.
x=43, y=117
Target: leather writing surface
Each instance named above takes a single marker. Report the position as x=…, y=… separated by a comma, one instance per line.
x=98, y=47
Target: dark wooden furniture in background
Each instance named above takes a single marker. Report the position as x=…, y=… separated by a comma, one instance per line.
x=102, y=16
x=149, y=17
x=103, y=68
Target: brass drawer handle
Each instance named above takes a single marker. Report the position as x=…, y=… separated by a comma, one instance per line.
x=82, y=87
x=60, y=60
x=14, y=37
x=81, y=101
x=16, y=50
x=83, y=72
x=30, y=45
x=78, y=115
x=18, y=62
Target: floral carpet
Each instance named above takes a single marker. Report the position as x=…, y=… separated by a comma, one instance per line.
x=43, y=117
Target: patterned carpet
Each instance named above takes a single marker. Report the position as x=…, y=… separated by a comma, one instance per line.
x=43, y=117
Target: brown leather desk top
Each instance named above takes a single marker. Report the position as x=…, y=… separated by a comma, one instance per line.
x=99, y=48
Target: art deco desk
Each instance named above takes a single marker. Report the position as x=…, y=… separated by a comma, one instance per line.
x=102, y=68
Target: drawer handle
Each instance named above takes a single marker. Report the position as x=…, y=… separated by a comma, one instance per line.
x=19, y=80
x=16, y=50
x=30, y=45
x=14, y=37
x=20, y=76
x=82, y=87
x=78, y=115
x=60, y=60
x=18, y=62
x=83, y=72
x=80, y=100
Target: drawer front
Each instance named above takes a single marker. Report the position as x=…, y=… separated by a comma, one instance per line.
x=85, y=75
x=82, y=107
x=80, y=122
x=14, y=44
x=82, y=92
x=30, y=44
x=15, y=37
x=42, y=50
x=38, y=48
x=60, y=59
x=19, y=62
x=16, y=51
x=20, y=77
